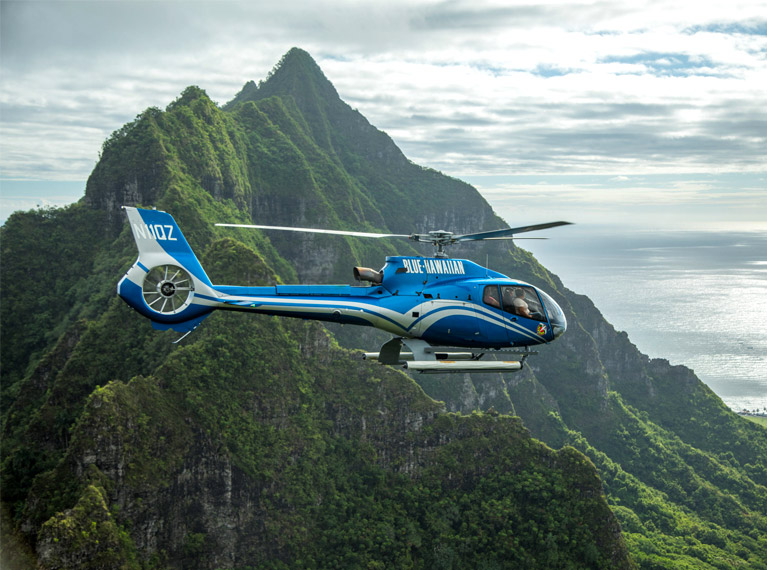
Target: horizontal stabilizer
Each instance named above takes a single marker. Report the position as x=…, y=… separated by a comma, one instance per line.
x=182, y=327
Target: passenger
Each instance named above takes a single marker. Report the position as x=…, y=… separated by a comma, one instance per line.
x=490, y=297
x=520, y=305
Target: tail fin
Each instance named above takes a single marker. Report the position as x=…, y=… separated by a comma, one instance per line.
x=167, y=284
x=160, y=241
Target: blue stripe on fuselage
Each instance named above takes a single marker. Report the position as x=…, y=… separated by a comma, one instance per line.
x=324, y=308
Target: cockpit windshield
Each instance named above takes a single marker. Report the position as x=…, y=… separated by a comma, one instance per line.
x=556, y=315
x=519, y=300
x=524, y=301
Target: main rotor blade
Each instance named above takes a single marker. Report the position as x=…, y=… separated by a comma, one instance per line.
x=314, y=230
x=507, y=233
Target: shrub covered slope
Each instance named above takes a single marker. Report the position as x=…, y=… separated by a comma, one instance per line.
x=262, y=443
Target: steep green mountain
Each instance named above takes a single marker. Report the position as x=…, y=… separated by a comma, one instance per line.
x=261, y=443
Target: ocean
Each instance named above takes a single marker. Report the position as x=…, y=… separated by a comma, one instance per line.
x=697, y=298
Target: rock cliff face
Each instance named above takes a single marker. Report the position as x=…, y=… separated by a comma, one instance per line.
x=333, y=432
x=259, y=442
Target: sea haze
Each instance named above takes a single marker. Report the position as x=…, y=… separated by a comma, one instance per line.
x=697, y=298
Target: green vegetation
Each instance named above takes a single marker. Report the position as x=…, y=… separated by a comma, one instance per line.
x=86, y=537
x=761, y=420
x=262, y=443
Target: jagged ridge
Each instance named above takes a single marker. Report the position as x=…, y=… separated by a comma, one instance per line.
x=299, y=155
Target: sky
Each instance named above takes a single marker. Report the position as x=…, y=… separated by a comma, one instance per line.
x=645, y=113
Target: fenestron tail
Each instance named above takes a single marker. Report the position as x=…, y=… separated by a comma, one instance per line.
x=167, y=284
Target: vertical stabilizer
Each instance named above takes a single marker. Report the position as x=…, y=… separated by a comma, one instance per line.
x=167, y=284
x=160, y=241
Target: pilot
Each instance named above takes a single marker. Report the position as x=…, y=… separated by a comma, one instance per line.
x=520, y=305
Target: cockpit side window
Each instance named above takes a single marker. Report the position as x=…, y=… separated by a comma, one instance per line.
x=490, y=296
x=522, y=301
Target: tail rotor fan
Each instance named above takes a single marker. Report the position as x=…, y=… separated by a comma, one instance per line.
x=167, y=289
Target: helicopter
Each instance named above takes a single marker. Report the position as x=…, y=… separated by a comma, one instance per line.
x=447, y=315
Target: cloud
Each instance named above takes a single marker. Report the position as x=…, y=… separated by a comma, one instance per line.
x=656, y=200
x=469, y=87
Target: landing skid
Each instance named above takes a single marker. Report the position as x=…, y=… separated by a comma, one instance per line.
x=425, y=358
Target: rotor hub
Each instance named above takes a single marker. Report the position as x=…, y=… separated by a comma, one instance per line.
x=167, y=289
x=441, y=236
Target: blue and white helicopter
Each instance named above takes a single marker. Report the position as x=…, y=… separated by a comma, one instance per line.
x=446, y=315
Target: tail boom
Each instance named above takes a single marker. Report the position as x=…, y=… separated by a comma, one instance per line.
x=168, y=285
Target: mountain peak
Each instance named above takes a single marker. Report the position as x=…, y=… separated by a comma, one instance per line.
x=298, y=57
x=297, y=75
x=188, y=95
